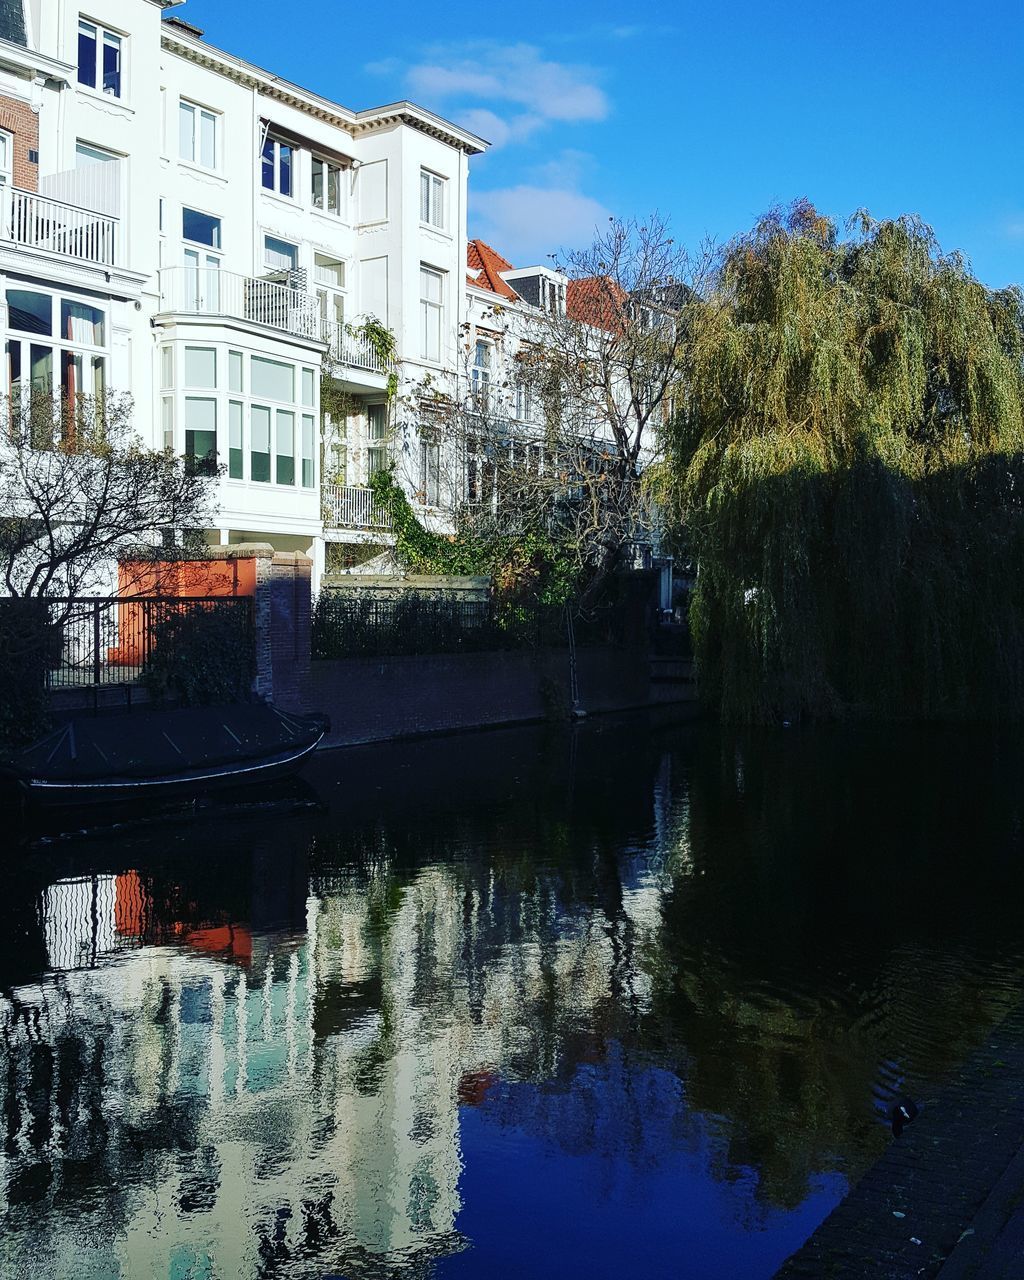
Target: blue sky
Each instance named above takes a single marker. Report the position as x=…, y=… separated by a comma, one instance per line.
x=707, y=112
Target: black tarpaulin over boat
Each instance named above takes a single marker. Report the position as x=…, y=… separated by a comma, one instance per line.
x=190, y=749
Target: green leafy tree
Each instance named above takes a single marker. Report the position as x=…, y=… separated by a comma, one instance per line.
x=847, y=460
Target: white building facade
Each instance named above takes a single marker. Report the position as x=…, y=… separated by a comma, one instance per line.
x=186, y=227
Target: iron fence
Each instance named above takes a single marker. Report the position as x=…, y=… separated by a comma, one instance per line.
x=101, y=640
x=346, y=626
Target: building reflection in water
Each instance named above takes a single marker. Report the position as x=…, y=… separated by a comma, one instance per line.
x=249, y=1058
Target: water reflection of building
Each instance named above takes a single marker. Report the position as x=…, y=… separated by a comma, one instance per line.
x=273, y=1102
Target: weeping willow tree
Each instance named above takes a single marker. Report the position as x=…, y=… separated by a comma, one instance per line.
x=847, y=460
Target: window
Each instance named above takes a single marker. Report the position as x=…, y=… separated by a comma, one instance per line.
x=201, y=434
x=201, y=367
x=480, y=375
x=431, y=306
x=326, y=186
x=197, y=135
x=278, y=166
x=430, y=471
x=236, y=453
x=272, y=380
x=6, y=158
x=377, y=433
x=86, y=154
x=100, y=58
x=259, y=455
x=200, y=228
x=57, y=346
x=308, y=436
x=329, y=274
x=526, y=406
x=432, y=199
x=308, y=389
x=285, y=470
x=235, y=366
x=329, y=271
x=279, y=255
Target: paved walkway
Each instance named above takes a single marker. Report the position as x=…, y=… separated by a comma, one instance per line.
x=946, y=1201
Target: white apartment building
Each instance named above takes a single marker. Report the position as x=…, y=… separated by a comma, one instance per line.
x=182, y=225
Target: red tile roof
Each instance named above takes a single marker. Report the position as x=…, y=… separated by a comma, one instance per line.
x=596, y=300
x=482, y=258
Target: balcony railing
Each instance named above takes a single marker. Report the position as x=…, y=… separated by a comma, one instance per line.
x=206, y=291
x=347, y=506
x=350, y=349
x=39, y=222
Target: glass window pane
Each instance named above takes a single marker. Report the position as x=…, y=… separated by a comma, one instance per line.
x=87, y=54
x=201, y=367
x=273, y=380
x=80, y=323
x=285, y=167
x=30, y=312
x=307, y=451
x=235, y=363
x=200, y=227
x=285, y=440
x=279, y=255
x=259, y=457
x=308, y=388
x=424, y=196
x=112, y=65
x=438, y=210
x=186, y=131
x=268, y=164
x=377, y=420
x=167, y=418
x=318, y=183
x=430, y=286
x=208, y=139
x=333, y=188
x=329, y=271
x=235, y=450
x=166, y=366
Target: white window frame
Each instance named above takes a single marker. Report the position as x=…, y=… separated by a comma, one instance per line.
x=55, y=342
x=433, y=200
x=280, y=240
x=432, y=316
x=199, y=113
x=6, y=158
x=480, y=374
x=326, y=166
x=276, y=143
x=103, y=33
x=430, y=470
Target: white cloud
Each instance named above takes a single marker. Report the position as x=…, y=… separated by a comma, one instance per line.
x=518, y=73
x=496, y=130
x=526, y=223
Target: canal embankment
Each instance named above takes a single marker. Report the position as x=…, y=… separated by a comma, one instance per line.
x=946, y=1200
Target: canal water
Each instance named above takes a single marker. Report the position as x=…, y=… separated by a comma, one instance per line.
x=617, y=1001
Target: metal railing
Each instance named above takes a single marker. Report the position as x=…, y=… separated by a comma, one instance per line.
x=40, y=222
x=209, y=291
x=347, y=625
x=348, y=506
x=109, y=639
x=348, y=348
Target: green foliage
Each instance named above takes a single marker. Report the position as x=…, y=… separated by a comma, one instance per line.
x=848, y=462
x=527, y=566
x=201, y=657
x=29, y=645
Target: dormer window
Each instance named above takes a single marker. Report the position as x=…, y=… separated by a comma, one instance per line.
x=552, y=296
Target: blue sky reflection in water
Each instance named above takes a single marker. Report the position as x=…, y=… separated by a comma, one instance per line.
x=514, y=1004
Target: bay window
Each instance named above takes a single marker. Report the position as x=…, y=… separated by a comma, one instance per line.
x=56, y=346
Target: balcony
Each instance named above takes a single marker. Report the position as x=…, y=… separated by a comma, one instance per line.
x=41, y=222
x=208, y=292
x=349, y=349
x=348, y=506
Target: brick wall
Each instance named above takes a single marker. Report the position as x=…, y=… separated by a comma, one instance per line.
x=19, y=119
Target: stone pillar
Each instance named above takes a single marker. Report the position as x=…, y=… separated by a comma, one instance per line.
x=290, y=580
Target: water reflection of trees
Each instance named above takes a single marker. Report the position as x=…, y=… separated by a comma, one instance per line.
x=623, y=950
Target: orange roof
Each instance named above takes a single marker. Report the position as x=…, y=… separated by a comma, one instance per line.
x=482, y=258
x=596, y=300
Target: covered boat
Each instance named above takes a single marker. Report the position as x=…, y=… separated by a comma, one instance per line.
x=157, y=753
